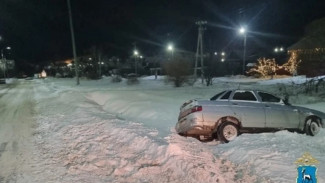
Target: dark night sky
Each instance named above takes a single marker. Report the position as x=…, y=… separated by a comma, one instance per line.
x=38, y=30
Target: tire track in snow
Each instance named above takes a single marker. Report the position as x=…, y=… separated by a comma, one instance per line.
x=3, y=147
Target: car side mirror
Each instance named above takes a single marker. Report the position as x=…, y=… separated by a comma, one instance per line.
x=286, y=100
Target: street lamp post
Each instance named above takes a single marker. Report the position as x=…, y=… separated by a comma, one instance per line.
x=4, y=67
x=3, y=60
x=73, y=44
x=242, y=30
x=136, y=53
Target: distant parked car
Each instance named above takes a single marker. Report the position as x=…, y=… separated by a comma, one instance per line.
x=231, y=112
x=132, y=79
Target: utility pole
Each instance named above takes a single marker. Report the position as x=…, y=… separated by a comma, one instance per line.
x=244, y=55
x=4, y=65
x=73, y=44
x=100, y=64
x=199, y=48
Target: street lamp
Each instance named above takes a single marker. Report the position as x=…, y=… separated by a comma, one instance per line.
x=278, y=49
x=170, y=48
x=3, y=60
x=136, y=53
x=242, y=31
x=223, y=55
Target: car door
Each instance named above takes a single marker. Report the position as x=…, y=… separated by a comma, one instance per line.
x=277, y=114
x=249, y=111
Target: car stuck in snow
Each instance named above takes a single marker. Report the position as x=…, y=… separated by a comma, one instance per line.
x=231, y=112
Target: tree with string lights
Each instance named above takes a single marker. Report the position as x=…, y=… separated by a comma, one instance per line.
x=265, y=67
x=292, y=65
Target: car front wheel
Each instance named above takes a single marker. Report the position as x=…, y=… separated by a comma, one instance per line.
x=227, y=132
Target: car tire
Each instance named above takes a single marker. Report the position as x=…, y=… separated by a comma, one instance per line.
x=312, y=127
x=227, y=132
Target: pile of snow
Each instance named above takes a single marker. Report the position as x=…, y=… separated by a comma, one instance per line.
x=79, y=141
x=274, y=154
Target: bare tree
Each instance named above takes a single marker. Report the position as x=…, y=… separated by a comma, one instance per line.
x=178, y=71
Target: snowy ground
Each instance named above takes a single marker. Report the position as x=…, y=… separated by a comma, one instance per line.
x=113, y=132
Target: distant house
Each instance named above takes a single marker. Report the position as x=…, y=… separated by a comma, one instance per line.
x=311, y=49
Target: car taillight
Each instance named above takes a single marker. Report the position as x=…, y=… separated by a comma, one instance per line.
x=196, y=109
x=189, y=111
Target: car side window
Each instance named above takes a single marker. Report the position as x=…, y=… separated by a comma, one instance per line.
x=226, y=96
x=268, y=97
x=244, y=95
x=217, y=96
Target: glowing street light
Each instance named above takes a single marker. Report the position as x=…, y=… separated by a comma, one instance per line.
x=278, y=49
x=242, y=31
x=170, y=48
x=223, y=53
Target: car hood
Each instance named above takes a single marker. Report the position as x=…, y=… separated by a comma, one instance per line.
x=310, y=111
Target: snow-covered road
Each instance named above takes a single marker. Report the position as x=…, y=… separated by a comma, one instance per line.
x=16, y=131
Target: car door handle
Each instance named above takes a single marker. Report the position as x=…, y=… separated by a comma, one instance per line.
x=267, y=106
x=234, y=104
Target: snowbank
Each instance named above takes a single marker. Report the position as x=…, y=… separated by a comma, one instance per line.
x=112, y=132
x=79, y=141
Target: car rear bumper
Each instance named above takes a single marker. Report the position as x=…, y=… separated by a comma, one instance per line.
x=192, y=125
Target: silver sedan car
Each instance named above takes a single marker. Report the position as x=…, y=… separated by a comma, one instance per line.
x=232, y=112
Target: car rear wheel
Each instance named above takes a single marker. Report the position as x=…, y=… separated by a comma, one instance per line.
x=227, y=132
x=312, y=128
